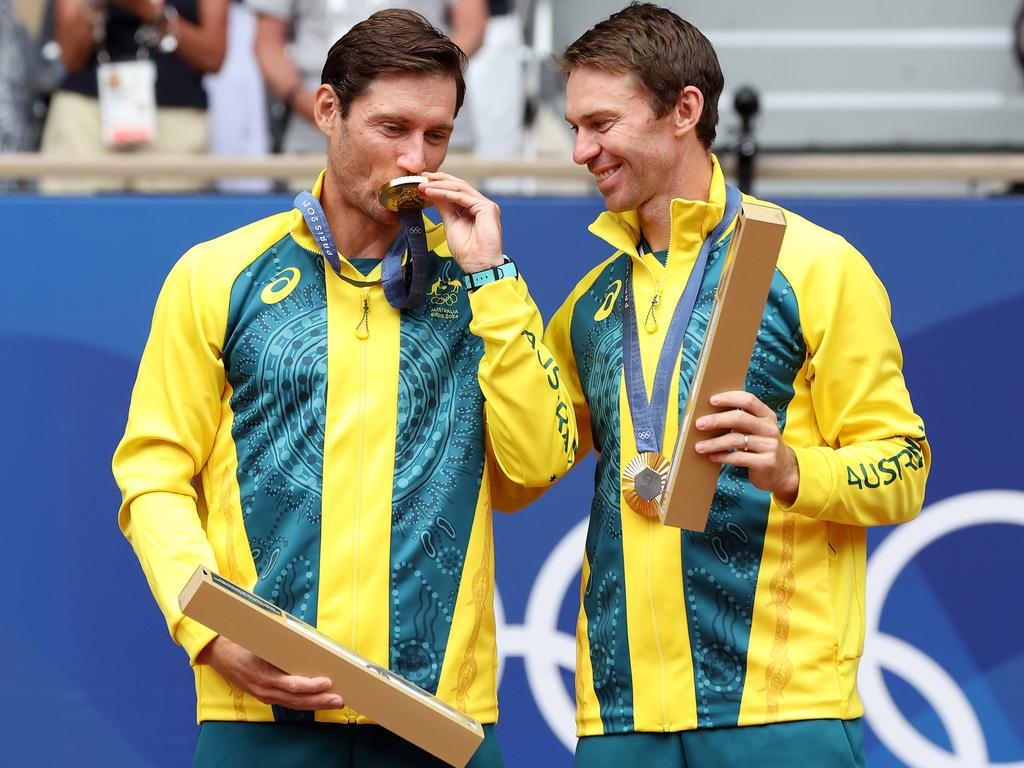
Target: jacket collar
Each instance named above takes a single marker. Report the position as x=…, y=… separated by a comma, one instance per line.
x=692, y=220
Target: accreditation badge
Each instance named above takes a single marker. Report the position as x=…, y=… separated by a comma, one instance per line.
x=643, y=481
x=127, y=91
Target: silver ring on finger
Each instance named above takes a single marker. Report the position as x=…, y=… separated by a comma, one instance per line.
x=746, y=442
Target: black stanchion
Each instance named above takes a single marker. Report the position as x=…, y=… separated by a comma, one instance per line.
x=747, y=104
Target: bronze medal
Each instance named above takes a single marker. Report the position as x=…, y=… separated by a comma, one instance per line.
x=643, y=481
x=403, y=194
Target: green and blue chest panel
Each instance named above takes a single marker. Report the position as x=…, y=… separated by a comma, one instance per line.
x=720, y=565
x=439, y=461
x=275, y=359
x=275, y=356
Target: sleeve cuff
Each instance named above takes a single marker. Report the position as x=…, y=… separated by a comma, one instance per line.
x=495, y=301
x=816, y=482
x=193, y=637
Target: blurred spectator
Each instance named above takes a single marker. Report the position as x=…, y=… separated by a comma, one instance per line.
x=294, y=36
x=1018, y=35
x=134, y=84
x=495, y=81
x=14, y=81
x=238, y=102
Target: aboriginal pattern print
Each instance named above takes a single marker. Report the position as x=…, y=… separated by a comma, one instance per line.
x=439, y=460
x=596, y=335
x=275, y=357
x=721, y=565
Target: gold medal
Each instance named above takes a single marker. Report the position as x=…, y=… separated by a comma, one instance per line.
x=643, y=481
x=403, y=194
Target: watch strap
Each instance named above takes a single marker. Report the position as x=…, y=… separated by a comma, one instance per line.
x=474, y=280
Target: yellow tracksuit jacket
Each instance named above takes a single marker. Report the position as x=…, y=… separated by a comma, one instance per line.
x=761, y=618
x=340, y=458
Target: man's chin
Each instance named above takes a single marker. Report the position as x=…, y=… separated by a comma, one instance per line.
x=384, y=215
x=616, y=204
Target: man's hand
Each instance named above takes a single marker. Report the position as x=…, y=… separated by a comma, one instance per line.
x=754, y=443
x=472, y=222
x=265, y=681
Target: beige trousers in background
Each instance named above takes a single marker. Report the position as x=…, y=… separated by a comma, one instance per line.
x=73, y=130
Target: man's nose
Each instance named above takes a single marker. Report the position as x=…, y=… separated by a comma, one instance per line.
x=413, y=158
x=585, y=149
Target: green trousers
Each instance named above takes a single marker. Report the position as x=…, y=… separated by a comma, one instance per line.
x=817, y=743
x=321, y=745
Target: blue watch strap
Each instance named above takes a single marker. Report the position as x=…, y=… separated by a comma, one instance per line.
x=474, y=280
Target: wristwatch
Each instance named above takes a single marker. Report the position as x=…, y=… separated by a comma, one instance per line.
x=474, y=280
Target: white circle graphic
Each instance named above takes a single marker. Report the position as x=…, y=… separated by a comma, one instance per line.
x=883, y=651
x=544, y=648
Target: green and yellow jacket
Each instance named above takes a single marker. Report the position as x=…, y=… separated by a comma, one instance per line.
x=338, y=457
x=761, y=618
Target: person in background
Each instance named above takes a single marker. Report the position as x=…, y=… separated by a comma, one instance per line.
x=495, y=78
x=293, y=37
x=738, y=645
x=14, y=82
x=334, y=439
x=238, y=102
x=134, y=84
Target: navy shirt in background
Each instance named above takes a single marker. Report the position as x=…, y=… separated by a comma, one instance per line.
x=177, y=84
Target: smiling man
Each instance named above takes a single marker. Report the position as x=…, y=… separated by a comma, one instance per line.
x=738, y=646
x=313, y=425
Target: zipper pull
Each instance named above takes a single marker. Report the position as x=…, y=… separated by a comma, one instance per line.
x=363, y=329
x=651, y=321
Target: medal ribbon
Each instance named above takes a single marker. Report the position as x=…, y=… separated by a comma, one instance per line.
x=649, y=415
x=413, y=236
x=398, y=295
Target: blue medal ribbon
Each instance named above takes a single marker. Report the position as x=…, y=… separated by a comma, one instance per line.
x=412, y=237
x=649, y=415
x=316, y=220
x=393, y=278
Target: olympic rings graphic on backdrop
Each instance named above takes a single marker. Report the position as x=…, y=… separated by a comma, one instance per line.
x=545, y=649
x=538, y=640
x=884, y=651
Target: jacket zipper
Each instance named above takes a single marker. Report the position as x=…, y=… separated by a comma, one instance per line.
x=654, y=620
x=650, y=546
x=362, y=333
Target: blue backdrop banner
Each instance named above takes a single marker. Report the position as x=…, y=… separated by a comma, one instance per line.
x=93, y=680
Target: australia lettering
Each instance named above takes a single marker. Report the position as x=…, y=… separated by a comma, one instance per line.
x=888, y=470
x=562, y=414
x=561, y=408
x=553, y=380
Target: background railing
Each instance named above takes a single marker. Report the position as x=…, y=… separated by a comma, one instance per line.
x=903, y=167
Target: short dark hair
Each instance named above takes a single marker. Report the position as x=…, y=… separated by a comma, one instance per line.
x=664, y=52
x=393, y=41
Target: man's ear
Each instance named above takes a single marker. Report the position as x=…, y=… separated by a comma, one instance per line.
x=687, y=110
x=326, y=108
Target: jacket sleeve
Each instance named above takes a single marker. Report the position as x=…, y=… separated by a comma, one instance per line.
x=531, y=429
x=509, y=496
x=874, y=464
x=172, y=422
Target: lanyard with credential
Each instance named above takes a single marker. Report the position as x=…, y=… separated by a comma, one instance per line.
x=643, y=478
x=413, y=236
